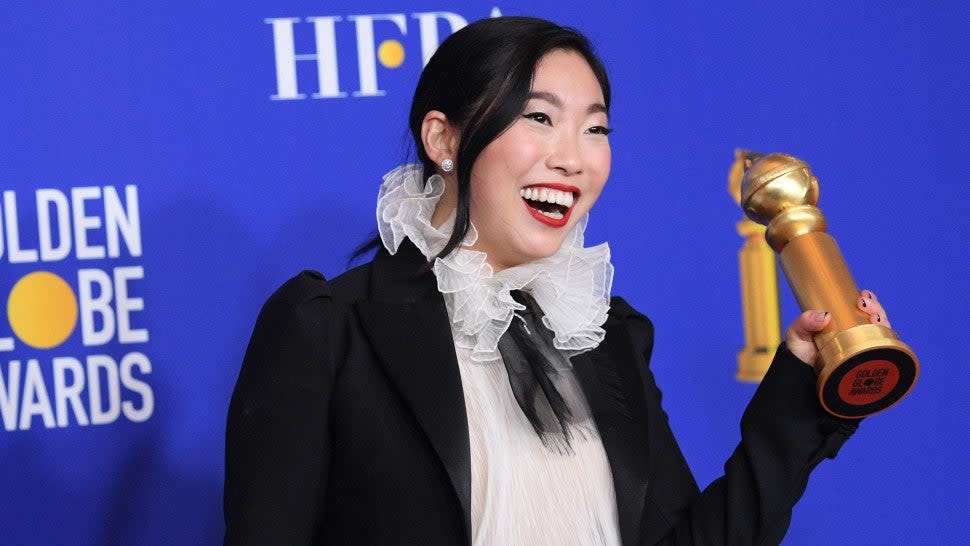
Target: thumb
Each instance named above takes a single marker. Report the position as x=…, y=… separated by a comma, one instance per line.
x=798, y=338
x=808, y=324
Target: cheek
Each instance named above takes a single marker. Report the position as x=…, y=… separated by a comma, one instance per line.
x=495, y=177
x=604, y=160
x=600, y=172
x=487, y=173
x=514, y=153
x=490, y=209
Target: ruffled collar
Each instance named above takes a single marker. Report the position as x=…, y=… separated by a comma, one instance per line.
x=572, y=286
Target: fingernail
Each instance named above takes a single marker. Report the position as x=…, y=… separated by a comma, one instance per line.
x=820, y=315
x=864, y=304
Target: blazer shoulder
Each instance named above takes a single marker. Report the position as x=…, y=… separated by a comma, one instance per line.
x=637, y=325
x=309, y=285
x=621, y=310
x=352, y=285
x=306, y=286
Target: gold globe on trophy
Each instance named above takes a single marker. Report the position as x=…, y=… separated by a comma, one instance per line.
x=862, y=368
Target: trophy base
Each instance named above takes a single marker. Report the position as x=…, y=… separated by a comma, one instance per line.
x=864, y=370
x=753, y=363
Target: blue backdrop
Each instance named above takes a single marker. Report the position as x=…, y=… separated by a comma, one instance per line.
x=169, y=164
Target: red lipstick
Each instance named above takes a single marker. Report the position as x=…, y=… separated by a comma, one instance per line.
x=538, y=215
x=556, y=186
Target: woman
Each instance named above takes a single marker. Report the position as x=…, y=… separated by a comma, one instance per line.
x=475, y=382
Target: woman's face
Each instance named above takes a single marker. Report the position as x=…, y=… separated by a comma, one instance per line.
x=533, y=183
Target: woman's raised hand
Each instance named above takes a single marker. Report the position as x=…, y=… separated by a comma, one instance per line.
x=799, y=335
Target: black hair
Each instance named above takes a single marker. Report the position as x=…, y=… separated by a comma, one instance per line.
x=480, y=78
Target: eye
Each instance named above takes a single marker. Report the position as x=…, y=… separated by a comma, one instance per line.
x=599, y=130
x=539, y=117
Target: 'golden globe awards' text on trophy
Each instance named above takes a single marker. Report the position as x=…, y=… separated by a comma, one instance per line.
x=862, y=368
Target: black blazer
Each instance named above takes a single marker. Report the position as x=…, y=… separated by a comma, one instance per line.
x=347, y=426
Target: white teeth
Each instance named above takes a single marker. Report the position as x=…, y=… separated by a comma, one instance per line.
x=556, y=215
x=548, y=195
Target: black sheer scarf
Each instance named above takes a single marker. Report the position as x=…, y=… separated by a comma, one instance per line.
x=542, y=379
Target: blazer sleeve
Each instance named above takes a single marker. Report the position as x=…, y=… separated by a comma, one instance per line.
x=277, y=449
x=785, y=434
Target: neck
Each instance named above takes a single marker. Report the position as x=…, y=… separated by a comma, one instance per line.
x=446, y=204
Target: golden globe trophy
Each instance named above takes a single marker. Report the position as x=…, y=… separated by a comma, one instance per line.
x=759, y=284
x=862, y=368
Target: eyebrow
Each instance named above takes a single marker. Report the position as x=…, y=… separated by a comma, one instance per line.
x=554, y=100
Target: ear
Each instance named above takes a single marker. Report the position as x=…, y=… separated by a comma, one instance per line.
x=439, y=137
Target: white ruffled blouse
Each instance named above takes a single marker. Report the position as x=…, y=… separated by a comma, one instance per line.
x=522, y=492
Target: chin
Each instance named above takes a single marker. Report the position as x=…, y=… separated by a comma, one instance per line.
x=539, y=248
x=522, y=245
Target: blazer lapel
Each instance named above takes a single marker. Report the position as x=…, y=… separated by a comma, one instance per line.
x=407, y=324
x=611, y=383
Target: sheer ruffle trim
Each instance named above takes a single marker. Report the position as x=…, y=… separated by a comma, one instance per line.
x=572, y=286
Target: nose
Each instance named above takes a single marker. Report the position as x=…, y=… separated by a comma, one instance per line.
x=565, y=155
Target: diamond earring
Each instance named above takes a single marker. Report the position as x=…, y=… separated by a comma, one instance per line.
x=447, y=165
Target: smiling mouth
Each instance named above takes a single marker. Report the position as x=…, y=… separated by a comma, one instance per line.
x=548, y=204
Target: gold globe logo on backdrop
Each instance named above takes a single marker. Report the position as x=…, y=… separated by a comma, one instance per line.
x=328, y=40
x=43, y=379
x=391, y=53
x=42, y=310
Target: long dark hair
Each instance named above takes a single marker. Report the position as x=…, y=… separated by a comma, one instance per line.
x=480, y=78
